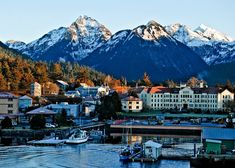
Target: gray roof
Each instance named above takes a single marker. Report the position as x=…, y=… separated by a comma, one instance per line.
x=218, y=133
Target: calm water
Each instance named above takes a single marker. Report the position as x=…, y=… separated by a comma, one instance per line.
x=74, y=156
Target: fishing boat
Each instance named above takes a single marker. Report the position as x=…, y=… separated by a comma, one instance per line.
x=78, y=137
x=129, y=153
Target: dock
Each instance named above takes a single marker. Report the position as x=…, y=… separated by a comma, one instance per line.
x=144, y=160
x=47, y=142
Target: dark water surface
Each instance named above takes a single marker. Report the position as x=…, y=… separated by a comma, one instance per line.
x=74, y=156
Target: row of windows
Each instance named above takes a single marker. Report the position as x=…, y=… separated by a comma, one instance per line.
x=190, y=105
x=130, y=107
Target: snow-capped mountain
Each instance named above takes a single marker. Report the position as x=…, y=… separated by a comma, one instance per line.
x=71, y=43
x=147, y=48
x=18, y=45
x=213, y=46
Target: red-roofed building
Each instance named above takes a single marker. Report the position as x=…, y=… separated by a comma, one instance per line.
x=160, y=97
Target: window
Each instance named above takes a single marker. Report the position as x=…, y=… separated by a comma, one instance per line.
x=10, y=105
x=137, y=102
x=129, y=107
x=10, y=99
x=137, y=107
x=10, y=111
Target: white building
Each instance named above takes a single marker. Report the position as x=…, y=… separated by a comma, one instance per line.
x=71, y=109
x=152, y=149
x=97, y=91
x=160, y=97
x=35, y=89
x=132, y=104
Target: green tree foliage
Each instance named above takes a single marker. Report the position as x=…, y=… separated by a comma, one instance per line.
x=6, y=123
x=110, y=104
x=37, y=122
x=61, y=118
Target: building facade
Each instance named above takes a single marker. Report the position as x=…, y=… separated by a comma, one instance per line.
x=8, y=104
x=25, y=102
x=132, y=104
x=159, y=97
x=35, y=89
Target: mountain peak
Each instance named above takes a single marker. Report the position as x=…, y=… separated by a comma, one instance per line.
x=151, y=31
x=212, y=34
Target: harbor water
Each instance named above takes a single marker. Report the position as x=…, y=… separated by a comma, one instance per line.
x=74, y=156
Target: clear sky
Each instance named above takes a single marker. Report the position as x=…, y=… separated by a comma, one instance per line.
x=27, y=20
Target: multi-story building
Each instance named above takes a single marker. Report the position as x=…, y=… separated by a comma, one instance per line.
x=132, y=104
x=160, y=97
x=35, y=89
x=25, y=102
x=8, y=104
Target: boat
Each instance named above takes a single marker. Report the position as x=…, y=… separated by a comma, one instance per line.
x=129, y=153
x=78, y=137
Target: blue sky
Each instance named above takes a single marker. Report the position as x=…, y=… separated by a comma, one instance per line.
x=27, y=20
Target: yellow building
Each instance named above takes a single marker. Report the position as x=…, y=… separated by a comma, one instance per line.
x=131, y=104
x=8, y=103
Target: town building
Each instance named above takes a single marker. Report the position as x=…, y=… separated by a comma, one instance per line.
x=35, y=89
x=97, y=91
x=218, y=140
x=159, y=98
x=62, y=84
x=72, y=110
x=8, y=104
x=72, y=93
x=152, y=149
x=25, y=102
x=131, y=104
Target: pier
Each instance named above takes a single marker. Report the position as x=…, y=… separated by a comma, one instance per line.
x=145, y=129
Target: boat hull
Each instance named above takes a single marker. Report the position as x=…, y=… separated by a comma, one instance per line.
x=76, y=141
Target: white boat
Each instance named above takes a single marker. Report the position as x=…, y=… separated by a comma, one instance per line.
x=78, y=137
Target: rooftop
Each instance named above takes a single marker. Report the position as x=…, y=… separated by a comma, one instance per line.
x=218, y=133
x=7, y=95
x=131, y=98
x=41, y=110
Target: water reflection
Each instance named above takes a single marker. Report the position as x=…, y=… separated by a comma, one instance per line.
x=73, y=156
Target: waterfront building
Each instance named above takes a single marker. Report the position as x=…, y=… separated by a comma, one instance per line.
x=35, y=89
x=159, y=98
x=8, y=103
x=218, y=140
x=72, y=110
x=25, y=102
x=131, y=104
x=152, y=149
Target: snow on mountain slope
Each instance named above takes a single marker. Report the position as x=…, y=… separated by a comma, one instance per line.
x=18, y=45
x=212, y=34
x=213, y=46
x=71, y=43
x=147, y=48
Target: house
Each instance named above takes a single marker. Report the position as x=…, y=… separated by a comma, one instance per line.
x=49, y=114
x=35, y=89
x=72, y=93
x=25, y=102
x=9, y=103
x=97, y=91
x=152, y=149
x=62, y=84
x=131, y=104
x=218, y=140
x=72, y=110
